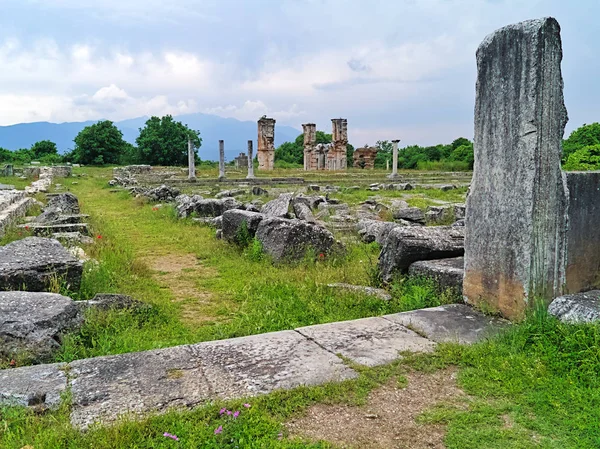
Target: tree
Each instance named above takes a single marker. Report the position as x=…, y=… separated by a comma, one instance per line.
x=349, y=155
x=43, y=148
x=586, y=158
x=384, y=153
x=583, y=136
x=98, y=144
x=293, y=152
x=464, y=153
x=164, y=141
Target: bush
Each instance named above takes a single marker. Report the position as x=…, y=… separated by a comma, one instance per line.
x=586, y=158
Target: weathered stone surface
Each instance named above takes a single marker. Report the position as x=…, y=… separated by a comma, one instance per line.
x=450, y=323
x=577, y=308
x=303, y=212
x=162, y=193
x=205, y=208
x=460, y=211
x=406, y=245
x=371, y=291
x=311, y=201
x=448, y=273
x=72, y=238
x=403, y=186
x=232, y=223
x=368, y=341
x=375, y=230
x=63, y=204
x=290, y=239
x=44, y=230
x=109, y=301
x=438, y=214
x=33, y=386
x=413, y=214
x=34, y=261
x=278, y=207
x=583, y=234
x=256, y=190
x=32, y=323
x=228, y=193
x=516, y=209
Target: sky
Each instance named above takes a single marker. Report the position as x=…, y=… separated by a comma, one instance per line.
x=401, y=69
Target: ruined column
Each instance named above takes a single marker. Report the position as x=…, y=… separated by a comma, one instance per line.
x=191, y=161
x=516, y=209
x=394, y=173
x=339, y=139
x=310, y=140
x=250, y=161
x=221, y=159
x=266, y=143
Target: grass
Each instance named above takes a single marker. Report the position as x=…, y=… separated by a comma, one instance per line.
x=15, y=181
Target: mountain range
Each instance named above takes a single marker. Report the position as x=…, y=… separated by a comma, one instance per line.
x=234, y=132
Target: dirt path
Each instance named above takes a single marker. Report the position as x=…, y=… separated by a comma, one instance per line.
x=388, y=419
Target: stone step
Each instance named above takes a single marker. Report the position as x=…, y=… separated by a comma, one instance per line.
x=102, y=388
x=46, y=230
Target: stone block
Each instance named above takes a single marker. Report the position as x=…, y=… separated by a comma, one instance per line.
x=447, y=273
x=233, y=220
x=577, y=308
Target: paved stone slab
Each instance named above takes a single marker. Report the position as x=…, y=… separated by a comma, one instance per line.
x=105, y=387
x=577, y=308
x=260, y=364
x=33, y=385
x=450, y=323
x=368, y=341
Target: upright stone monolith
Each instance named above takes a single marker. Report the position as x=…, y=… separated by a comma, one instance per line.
x=250, y=161
x=191, y=161
x=394, y=173
x=266, y=143
x=517, y=207
x=221, y=159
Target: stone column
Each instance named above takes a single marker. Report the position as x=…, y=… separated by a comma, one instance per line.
x=250, y=161
x=310, y=139
x=191, y=161
x=266, y=143
x=394, y=173
x=517, y=206
x=339, y=140
x=221, y=159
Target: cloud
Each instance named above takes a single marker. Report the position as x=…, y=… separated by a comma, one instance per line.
x=251, y=110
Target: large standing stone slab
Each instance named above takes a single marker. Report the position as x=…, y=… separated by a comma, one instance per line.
x=405, y=245
x=577, y=308
x=30, y=264
x=260, y=364
x=516, y=209
x=33, y=323
x=279, y=207
x=40, y=385
x=368, y=341
x=152, y=381
x=450, y=323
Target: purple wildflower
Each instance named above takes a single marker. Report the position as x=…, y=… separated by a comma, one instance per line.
x=236, y=414
x=170, y=435
x=218, y=430
x=247, y=405
x=228, y=412
x=223, y=410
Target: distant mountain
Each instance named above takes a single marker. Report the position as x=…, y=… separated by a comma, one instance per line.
x=234, y=132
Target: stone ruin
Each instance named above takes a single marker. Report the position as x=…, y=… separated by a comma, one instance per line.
x=241, y=161
x=266, y=143
x=326, y=156
x=365, y=157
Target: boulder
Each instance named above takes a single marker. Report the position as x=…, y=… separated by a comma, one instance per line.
x=375, y=230
x=287, y=240
x=233, y=220
x=162, y=193
x=205, y=208
x=438, y=214
x=32, y=323
x=256, y=190
x=303, y=212
x=447, y=273
x=413, y=214
x=577, y=308
x=30, y=264
x=403, y=186
x=58, y=205
x=460, y=211
x=314, y=188
x=230, y=193
x=278, y=207
x=311, y=201
x=406, y=245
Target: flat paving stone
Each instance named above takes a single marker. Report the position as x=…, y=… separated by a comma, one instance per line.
x=104, y=388
x=38, y=385
x=260, y=364
x=450, y=323
x=368, y=341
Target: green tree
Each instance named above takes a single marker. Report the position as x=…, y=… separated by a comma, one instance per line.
x=293, y=152
x=586, y=158
x=98, y=144
x=583, y=136
x=464, y=153
x=164, y=141
x=349, y=155
x=43, y=148
x=384, y=153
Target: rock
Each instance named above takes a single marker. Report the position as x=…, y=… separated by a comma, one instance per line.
x=311, y=201
x=516, y=210
x=399, y=204
x=374, y=230
x=33, y=386
x=438, y=214
x=162, y=193
x=374, y=185
x=314, y=188
x=63, y=204
x=113, y=301
x=303, y=212
x=577, y=308
x=33, y=262
x=205, y=208
x=403, y=186
x=232, y=223
x=370, y=291
x=288, y=240
x=230, y=193
x=216, y=222
x=460, y=211
x=446, y=187
x=256, y=190
x=447, y=273
x=278, y=207
x=373, y=189
x=186, y=203
x=72, y=238
x=458, y=223
x=32, y=323
x=406, y=245
x=251, y=207
x=413, y=214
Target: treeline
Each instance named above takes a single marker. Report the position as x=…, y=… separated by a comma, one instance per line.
x=162, y=141
x=581, y=151
x=291, y=154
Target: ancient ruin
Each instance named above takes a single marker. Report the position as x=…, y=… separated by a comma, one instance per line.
x=266, y=143
x=339, y=138
x=394, y=173
x=365, y=157
x=191, y=161
x=240, y=161
x=250, y=161
x=310, y=142
x=326, y=156
x=221, y=159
